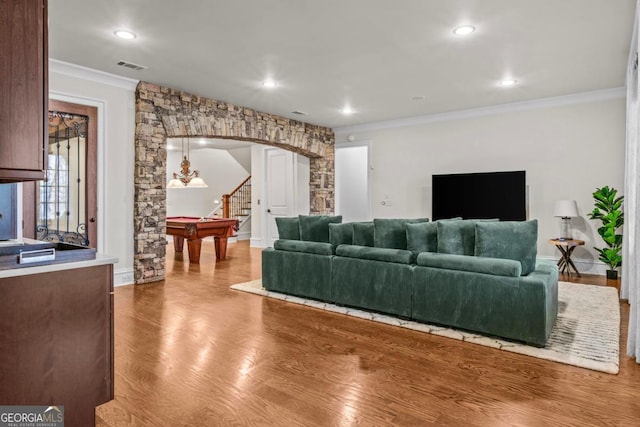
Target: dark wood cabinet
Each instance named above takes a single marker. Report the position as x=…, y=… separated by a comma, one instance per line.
x=56, y=341
x=23, y=89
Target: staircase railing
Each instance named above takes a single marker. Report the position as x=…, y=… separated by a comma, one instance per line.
x=238, y=202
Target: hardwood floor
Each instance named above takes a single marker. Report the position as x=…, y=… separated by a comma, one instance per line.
x=191, y=352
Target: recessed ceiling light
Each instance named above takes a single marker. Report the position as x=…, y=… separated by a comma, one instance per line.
x=269, y=83
x=202, y=142
x=123, y=34
x=464, y=30
x=418, y=98
x=347, y=111
x=507, y=83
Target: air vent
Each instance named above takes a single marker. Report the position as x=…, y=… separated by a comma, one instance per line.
x=300, y=113
x=132, y=65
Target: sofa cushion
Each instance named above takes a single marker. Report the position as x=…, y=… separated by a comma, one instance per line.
x=341, y=234
x=318, y=248
x=458, y=237
x=363, y=233
x=392, y=233
x=494, y=266
x=516, y=240
x=315, y=228
x=397, y=256
x=423, y=236
x=288, y=227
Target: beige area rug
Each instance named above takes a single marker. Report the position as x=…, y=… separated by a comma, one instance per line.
x=586, y=333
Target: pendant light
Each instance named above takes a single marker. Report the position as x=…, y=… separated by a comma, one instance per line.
x=186, y=177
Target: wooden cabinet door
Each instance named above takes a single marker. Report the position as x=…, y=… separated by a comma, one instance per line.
x=23, y=103
x=56, y=341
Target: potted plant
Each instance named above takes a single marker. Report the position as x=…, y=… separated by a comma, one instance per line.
x=608, y=209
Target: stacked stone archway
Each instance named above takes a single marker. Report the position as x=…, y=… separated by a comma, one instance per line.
x=163, y=112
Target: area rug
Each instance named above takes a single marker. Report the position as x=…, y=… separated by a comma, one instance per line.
x=586, y=333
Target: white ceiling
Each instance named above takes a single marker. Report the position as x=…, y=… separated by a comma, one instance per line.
x=373, y=55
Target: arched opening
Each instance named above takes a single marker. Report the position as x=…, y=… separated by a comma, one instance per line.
x=162, y=112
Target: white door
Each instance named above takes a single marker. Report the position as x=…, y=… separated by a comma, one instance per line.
x=278, y=189
x=353, y=189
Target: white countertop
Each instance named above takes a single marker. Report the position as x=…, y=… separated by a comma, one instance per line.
x=24, y=271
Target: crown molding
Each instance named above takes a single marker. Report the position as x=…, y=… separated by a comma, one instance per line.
x=558, y=101
x=85, y=73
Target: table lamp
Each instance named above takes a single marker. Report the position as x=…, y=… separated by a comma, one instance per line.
x=565, y=209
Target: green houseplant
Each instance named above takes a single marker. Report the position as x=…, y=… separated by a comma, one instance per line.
x=608, y=209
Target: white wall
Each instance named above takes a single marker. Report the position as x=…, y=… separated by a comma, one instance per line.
x=567, y=151
x=114, y=98
x=217, y=168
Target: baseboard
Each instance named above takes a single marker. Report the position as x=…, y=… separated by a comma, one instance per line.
x=123, y=276
x=583, y=265
x=255, y=243
x=244, y=235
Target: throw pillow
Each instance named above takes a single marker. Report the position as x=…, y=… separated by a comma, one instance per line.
x=341, y=234
x=363, y=233
x=422, y=237
x=288, y=228
x=316, y=228
x=392, y=233
x=458, y=237
x=516, y=240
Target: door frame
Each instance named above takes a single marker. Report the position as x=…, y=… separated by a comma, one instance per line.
x=95, y=111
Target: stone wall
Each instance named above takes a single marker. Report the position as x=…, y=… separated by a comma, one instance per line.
x=163, y=112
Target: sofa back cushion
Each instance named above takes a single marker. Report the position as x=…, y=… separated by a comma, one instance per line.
x=516, y=240
x=363, y=233
x=458, y=237
x=315, y=228
x=392, y=233
x=288, y=228
x=341, y=234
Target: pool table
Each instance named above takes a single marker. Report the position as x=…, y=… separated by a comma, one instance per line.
x=194, y=229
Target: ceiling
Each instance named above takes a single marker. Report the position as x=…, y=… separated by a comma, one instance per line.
x=372, y=55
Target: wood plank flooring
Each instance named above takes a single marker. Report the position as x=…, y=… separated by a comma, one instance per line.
x=191, y=352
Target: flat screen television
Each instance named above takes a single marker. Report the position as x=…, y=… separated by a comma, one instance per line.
x=480, y=195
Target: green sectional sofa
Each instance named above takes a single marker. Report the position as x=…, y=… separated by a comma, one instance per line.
x=477, y=275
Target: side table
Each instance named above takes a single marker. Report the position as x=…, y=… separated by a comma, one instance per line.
x=566, y=248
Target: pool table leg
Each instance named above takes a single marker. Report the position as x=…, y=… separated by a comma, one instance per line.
x=221, y=247
x=177, y=243
x=194, y=246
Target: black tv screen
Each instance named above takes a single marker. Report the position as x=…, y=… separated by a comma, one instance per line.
x=480, y=195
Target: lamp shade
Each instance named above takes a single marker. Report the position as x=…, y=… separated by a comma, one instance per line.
x=175, y=183
x=197, y=182
x=565, y=208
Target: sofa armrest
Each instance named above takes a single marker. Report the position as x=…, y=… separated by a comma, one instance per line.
x=397, y=256
x=318, y=248
x=495, y=266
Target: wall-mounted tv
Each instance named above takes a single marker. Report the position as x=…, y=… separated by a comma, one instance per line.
x=480, y=195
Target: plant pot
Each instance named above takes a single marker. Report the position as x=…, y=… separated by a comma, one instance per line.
x=612, y=274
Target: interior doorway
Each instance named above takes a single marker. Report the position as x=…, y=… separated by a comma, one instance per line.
x=352, y=180
x=63, y=207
